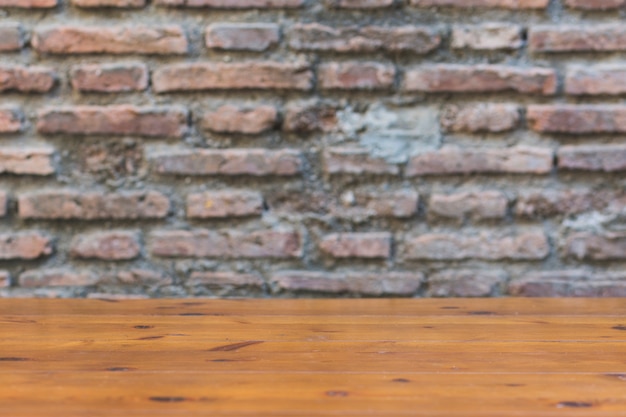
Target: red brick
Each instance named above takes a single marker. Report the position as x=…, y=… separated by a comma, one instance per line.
x=488, y=36
x=110, y=78
x=577, y=119
x=26, y=160
x=119, y=4
x=310, y=117
x=573, y=38
x=27, y=245
x=10, y=120
x=523, y=246
x=29, y=4
x=235, y=76
x=224, y=279
x=365, y=283
x=452, y=160
x=242, y=36
x=504, y=4
x=480, y=117
x=465, y=283
x=541, y=203
x=3, y=203
x=231, y=119
x=607, y=158
x=455, y=78
x=114, y=120
x=317, y=37
x=139, y=277
x=26, y=79
x=569, y=283
x=67, y=204
x=596, y=80
x=355, y=76
x=361, y=206
x=595, y=4
x=596, y=247
x=477, y=205
x=11, y=36
x=110, y=246
x=256, y=162
x=138, y=39
x=219, y=204
x=104, y=296
x=359, y=4
x=234, y=4
x=357, y=245
x=56, y=278
x=343, y=160
x=226, y=244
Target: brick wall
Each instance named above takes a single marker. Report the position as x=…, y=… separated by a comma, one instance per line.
x=290, y=147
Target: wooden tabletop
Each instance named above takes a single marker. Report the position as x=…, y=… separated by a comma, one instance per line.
x=485, y=357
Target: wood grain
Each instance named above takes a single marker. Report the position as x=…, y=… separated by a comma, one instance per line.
x=511, y=357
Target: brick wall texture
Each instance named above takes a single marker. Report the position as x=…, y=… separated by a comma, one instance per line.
x=288, y=148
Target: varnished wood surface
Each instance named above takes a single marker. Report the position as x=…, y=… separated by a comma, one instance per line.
x=496, y=357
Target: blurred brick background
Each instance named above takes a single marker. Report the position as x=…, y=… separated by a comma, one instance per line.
x=300, y=147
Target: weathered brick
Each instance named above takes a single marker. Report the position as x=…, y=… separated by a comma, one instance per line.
x=377, y=284
x=480, y=117
x=29, y=4
x=541, y=203
x=224, y=279
x=138, y=39
x=452, y=160
x=110, y=78
x=577, y=119
x=137, y=277
x=480, y=205
x=231, y=119
x=234, y=4
x=355, y=76
x=10, y=120
x=256, y=162
x=3, y=203
x=56, y=278
x=456, y=78
x=26, y=245
x=29, y=79
x=359, y=4
x=219, y=204
x=343, y=160
x=504, y=4
x=569, y=283
x=120, y=4
x=204, y=243
x=114, y=120
x=110, y=245
x=68, y=204
x=595, y=246
x=607, y=158
x=227, y=76
x=5, y=279
x=595, y=4
x=357, y=245
x=464, y=283
x=523, y=246
x=105, y=296
x=11, y=36
x=310, y=117
x=573, y=38
x=595, y=80
x=488, y=36
x=242, y=36
x=317, y=37
x=26, y=160
x=363, y=205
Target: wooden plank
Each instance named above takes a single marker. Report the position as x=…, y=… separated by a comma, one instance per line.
x=297, y=394
x=325, y=307
x=382, y=357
